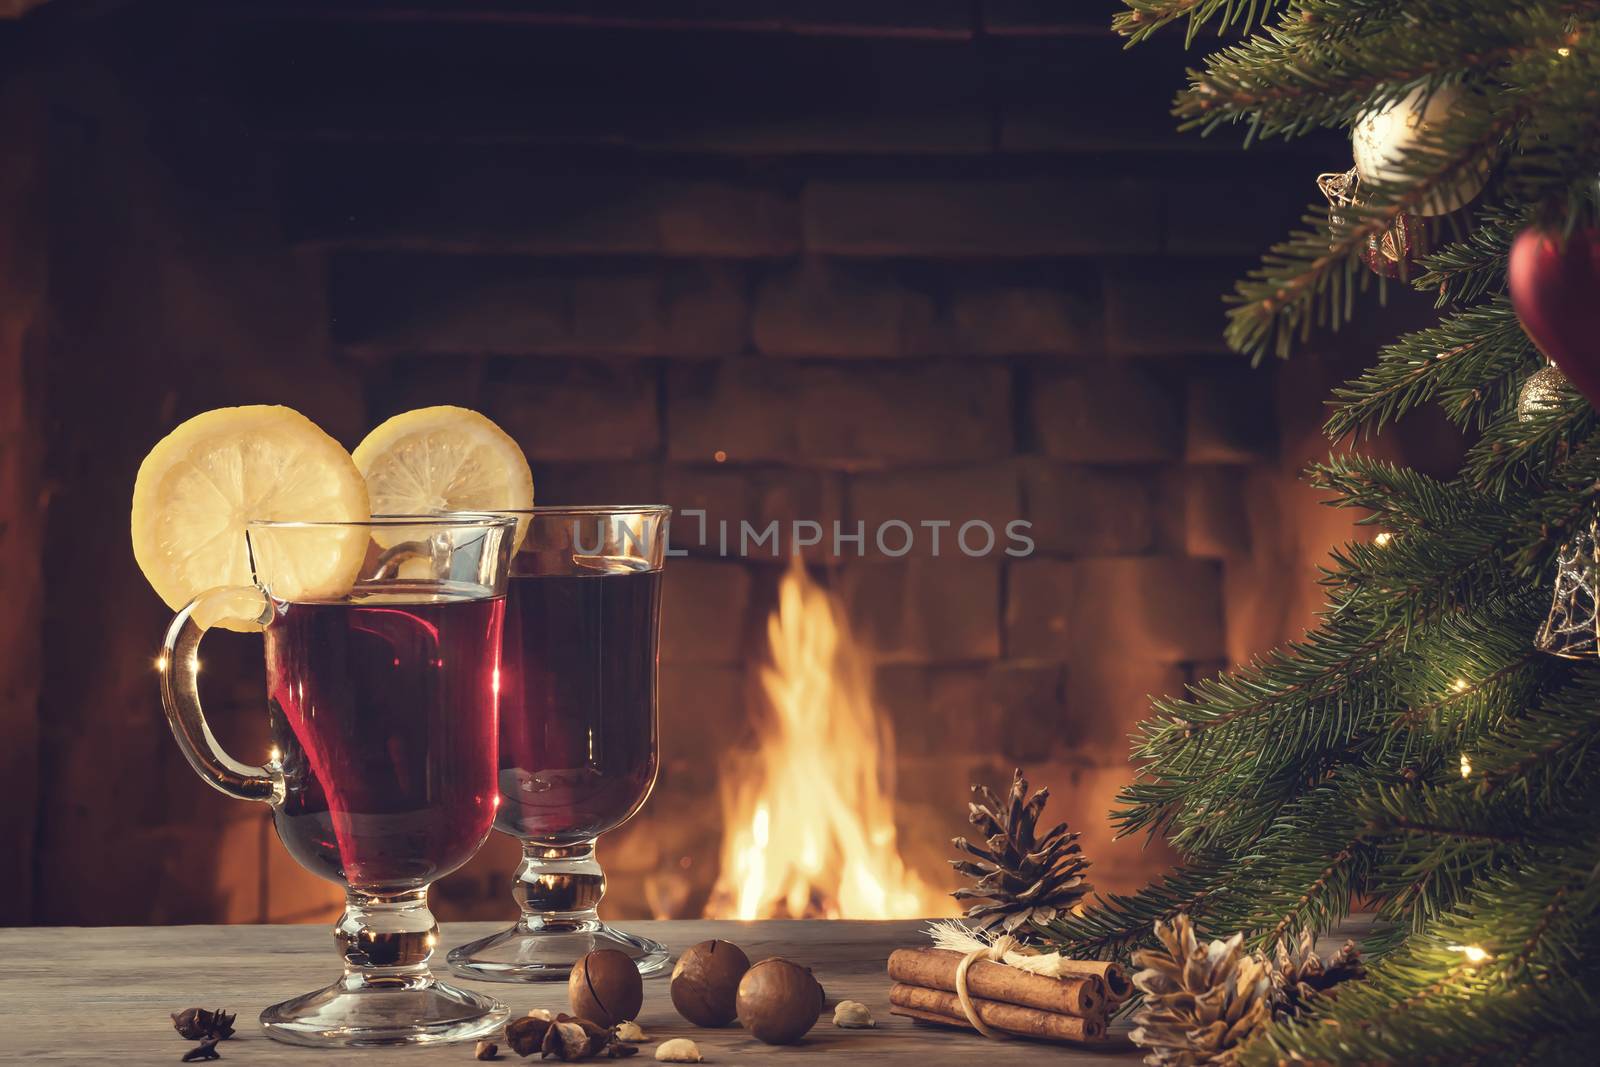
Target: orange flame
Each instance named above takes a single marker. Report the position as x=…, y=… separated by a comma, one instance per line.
x=809, y=828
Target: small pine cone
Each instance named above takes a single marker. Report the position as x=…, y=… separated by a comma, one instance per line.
x=1299, y=976
x=1022, y=878
x=1202, y=1002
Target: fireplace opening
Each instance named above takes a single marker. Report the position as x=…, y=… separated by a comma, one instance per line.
x=889, y=279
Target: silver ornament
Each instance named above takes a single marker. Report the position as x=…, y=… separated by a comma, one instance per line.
x=1572, y=629
x=1545, y=390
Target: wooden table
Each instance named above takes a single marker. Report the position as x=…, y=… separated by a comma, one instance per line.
x=104, y=994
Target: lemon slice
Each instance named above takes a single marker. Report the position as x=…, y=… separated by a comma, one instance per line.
x=205, y=480
x=440, y=459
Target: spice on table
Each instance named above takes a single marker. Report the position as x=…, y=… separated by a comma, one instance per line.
x=630, y=1031
x=205, y=1050
x=605, y=986
x=565, y=1037
x=198, y=1023
x=705, y=982
x=937, y=1006
x=779, y=1001
x=934, y=968
x=852, y=1015
x=678, y=1050
x=486, y=1050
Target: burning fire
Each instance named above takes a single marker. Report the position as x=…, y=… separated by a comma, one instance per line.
x=810, y=823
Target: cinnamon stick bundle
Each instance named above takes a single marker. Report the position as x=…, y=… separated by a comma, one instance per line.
x=938, y=1006
x=1113, y=979
x=1082, y=995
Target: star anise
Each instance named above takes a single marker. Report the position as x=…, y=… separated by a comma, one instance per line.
x=198, y=1023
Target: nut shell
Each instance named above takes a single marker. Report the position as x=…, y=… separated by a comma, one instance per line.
x=605, y=987
x=705, y=983
x=779, y=1001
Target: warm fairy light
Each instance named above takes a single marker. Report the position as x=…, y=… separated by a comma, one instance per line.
x=273, y=755
x=1383, y=539
x=809, y=820
x=1466, y=766
x=1563, y=52
x=720, y=456
x=1459, y=685
x=1473, y=953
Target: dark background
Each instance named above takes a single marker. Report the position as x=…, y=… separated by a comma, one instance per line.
x=932, y=259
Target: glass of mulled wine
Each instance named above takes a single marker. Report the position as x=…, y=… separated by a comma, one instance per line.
x=577, y=729
x=382, y=703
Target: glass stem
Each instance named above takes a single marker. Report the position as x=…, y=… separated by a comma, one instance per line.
x=386, y=939
x=558, y=885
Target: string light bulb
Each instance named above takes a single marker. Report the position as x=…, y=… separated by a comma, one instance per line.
x=1383, y=539
x=1459, y=685
x=1475, y=954
x=1466, y=766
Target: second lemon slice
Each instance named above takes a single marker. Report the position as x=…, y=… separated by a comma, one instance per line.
x=442, y=459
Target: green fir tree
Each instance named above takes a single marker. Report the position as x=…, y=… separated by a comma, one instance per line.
x=1415, y=752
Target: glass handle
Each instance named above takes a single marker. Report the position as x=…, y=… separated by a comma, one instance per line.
x=179, y=666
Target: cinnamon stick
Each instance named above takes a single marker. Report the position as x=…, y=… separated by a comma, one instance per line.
x=1113, y=979
x=935, y=968
x=936, y=1005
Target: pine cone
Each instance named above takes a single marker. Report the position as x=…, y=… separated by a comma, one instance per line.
x=1022, y=877
x=1300, y=976
x=1202, y=1003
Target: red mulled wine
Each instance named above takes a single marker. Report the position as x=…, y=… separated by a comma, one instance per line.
x=383, y=710
x=577, y=703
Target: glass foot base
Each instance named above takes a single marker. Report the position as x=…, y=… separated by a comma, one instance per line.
x=364, y=1012
x=534, y=952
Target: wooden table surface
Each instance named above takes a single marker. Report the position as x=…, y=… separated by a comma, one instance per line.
x=104, y=995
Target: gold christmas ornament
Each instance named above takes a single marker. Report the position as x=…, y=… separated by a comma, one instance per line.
x=1572, y=629
x=1382, y=139
x=1386, y=253
x=1544, y=390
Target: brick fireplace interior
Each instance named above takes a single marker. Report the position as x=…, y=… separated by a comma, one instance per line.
x=793, y=259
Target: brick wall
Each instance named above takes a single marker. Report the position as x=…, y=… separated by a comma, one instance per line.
x=781, y=260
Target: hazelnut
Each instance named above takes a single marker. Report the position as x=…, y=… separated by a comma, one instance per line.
x=779, y=1001
x=705, y=983
x=485, y=1050
x=605, y=987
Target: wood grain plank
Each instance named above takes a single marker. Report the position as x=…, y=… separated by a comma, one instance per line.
x=104, y=994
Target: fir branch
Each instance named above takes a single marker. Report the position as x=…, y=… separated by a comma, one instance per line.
x=1295, y=77
x=1146, y=17
x=1396, y=497
x=1116, y=924
x=1451, y=361
x=1465, y=270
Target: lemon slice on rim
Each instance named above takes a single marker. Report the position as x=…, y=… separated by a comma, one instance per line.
x=444, y=458
x=203, y=482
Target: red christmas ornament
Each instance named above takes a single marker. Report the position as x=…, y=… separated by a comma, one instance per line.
x=1555, y=290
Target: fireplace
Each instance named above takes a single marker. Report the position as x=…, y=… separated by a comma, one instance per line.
x=841, y=269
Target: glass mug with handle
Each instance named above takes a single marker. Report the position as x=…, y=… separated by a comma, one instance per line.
x=382, y=702
x=577, y=729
